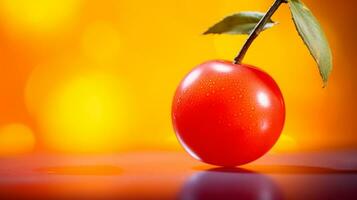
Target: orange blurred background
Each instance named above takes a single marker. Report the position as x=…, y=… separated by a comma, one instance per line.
x=82, y=76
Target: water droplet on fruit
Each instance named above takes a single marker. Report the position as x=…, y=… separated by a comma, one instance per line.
x=256, y=125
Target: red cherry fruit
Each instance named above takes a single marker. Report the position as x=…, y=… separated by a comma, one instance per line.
x=227, y=114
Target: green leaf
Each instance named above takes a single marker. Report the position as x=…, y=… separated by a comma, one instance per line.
x=239, y=23
x=313, y=36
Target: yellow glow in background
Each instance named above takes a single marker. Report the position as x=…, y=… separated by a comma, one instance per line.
x=39, y=16
x=99, y=76
x=86, y=114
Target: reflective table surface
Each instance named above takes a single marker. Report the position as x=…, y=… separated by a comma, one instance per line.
x=175, y=175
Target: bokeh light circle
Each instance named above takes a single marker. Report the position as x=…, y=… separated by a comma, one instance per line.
x=82, y=110
x=16, y=139
x=39, y=16
x=85, y=114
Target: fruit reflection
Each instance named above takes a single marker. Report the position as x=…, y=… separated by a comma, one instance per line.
x=224, y=183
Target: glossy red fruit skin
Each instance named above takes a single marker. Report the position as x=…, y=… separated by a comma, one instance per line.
x=227, y=114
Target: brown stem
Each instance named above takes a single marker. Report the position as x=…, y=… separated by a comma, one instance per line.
x=257, y=29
